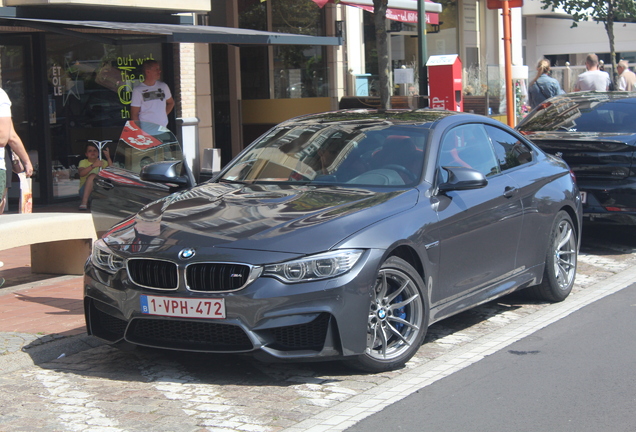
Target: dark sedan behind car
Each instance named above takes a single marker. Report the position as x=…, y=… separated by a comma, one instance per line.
x=341, y=235
x=595, y=133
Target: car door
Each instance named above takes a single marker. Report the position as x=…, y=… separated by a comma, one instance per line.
x=118, y=191
x=518, y=160
x=478, y=228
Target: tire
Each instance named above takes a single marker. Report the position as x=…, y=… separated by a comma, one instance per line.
x=398, y=318
x=560, y=262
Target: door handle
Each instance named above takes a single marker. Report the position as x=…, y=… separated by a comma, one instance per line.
x=104, y=184
x=510, y=191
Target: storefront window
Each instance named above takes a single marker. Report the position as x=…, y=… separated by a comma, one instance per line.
x=90, y=87
x=299, y=71
x=442, y=39
x=252, y=14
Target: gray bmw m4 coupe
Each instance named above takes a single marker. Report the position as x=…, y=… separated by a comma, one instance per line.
x=341, y=235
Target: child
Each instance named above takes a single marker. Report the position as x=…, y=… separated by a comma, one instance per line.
x=88, y=170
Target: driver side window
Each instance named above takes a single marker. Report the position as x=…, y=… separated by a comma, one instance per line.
x=510, y=150
x=468, y=146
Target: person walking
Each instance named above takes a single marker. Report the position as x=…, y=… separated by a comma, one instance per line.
x=9, y=137
x=543, y=86
x=152, y=100
x=627, y=78
x=593, y=79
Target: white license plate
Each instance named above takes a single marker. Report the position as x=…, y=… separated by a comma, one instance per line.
x=183, y=307
x=583, y=197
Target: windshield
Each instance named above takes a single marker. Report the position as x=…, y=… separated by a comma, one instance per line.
x=343, y=153
x=142, y=143
x=592, y=115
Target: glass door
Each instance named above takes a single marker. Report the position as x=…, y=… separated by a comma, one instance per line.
x=17, y=80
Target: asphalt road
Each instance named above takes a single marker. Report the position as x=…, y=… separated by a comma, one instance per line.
x=575, y=375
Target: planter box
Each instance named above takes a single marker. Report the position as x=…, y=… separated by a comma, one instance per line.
x=477, y=104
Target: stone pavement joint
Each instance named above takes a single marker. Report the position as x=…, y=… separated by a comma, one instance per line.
x=41, y=316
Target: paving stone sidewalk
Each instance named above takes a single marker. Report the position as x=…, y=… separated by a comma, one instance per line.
x=36, y=309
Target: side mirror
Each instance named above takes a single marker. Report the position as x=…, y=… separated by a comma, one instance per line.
x=163, y=172
x=461, y=178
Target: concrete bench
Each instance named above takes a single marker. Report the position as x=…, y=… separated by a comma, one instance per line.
x=60, y=242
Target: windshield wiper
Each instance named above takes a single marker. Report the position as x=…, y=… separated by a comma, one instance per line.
x=224, y=180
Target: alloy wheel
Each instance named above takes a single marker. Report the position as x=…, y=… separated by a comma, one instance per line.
x=395, y=316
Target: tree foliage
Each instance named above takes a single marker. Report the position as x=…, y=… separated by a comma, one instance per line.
x=605, y=12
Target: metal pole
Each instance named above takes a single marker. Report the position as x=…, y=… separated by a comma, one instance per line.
x=423, y=57
x=508, y=64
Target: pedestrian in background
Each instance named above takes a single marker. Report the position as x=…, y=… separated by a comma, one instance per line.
x=593, y=79
x=88, y=170
x=9, y=137
x=627, y=78
x=151, y=100
x=543, y=86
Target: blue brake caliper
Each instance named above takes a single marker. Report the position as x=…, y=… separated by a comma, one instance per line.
x=400, y=313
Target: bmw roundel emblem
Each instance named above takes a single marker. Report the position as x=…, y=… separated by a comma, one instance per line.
x=186, y=253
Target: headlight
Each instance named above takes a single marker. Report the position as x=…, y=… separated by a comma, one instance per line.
x=104, y=258
x=321, y=266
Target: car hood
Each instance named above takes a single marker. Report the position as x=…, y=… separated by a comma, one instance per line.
x=277, y=218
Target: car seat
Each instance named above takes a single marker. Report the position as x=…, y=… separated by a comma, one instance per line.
x=400, y=151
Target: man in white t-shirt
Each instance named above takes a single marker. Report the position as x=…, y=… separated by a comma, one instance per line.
x=8, y=136
x=151, y=100
x=593, y=79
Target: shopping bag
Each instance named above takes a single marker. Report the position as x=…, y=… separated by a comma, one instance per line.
x=26, y=195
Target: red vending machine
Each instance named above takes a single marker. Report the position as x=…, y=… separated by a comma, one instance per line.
x=445, y=82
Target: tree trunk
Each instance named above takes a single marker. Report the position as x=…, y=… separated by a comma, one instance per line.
x=609, y=28
x=379, y=20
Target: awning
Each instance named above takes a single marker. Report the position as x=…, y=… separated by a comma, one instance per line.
x=397, y=10
x=120, y=33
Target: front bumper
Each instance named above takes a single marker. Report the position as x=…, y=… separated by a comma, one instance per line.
x=312, y=320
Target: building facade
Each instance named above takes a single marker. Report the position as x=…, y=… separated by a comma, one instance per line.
x=69, y=67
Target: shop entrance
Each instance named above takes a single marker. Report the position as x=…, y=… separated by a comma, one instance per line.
x=17, y=80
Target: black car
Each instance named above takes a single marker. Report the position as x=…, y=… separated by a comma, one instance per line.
x=341, y=235
x=595, y=133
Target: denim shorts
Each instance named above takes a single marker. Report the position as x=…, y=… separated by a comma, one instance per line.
x=3, y=181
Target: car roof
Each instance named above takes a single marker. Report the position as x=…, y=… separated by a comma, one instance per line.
x=585, y=97
x=559, y=106
x=391, y=116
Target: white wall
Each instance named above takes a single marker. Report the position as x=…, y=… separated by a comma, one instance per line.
x=354, y=39
x=546, y=36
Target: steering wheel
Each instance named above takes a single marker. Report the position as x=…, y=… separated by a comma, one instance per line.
x=402, y=170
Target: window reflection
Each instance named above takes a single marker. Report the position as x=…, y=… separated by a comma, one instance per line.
x=290, y=71
x=89, y=91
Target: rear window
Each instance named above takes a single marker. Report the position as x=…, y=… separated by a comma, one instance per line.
x=592, y=116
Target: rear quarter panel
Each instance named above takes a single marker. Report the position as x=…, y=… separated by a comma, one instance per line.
x=546, y=188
